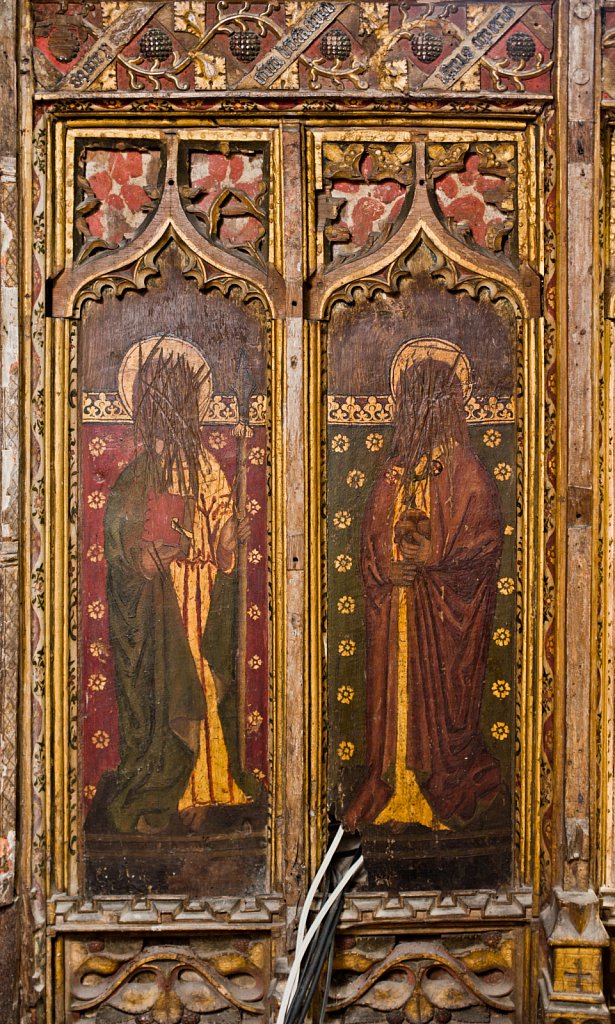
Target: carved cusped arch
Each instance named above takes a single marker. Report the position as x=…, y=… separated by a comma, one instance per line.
x=135, y=275
x=131, y=265
x=457, y=265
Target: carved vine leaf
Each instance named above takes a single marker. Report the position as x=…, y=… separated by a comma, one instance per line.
x=518, y=72
x=178, y=62
x=165, y=985
x=474, y=186
x=417, y=980
x=342, y=161
x=447, y=157
x=367, y=188
x=379, y=49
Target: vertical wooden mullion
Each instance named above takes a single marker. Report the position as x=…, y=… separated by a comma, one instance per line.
x=296, y=704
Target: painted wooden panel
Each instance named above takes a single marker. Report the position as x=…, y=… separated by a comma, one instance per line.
x=173, y=590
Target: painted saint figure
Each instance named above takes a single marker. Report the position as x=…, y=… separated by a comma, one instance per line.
x=170, y=532
x=431, y=546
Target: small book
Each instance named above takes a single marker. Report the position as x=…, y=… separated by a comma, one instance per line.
x=160, y=511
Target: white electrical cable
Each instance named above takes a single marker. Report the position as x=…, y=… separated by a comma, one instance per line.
x=307, y=906
x=293, y=977
x=320, y=874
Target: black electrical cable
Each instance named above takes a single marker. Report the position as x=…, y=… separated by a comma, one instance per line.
x=327, y=985
x=326, y=942
x=296, y=1005
x=311, y=973
x=321, y=948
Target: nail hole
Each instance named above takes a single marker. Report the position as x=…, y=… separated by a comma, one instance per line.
x=422, y=181
x=294, y=304
x=171, y=181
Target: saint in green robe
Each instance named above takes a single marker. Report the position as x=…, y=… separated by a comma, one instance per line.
x=159, y=696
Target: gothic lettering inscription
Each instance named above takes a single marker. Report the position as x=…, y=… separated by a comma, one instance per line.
x=475, y=46
x=291, y=46
x=120, y=32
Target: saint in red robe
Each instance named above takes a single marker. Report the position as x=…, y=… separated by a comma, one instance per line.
x=449, y=609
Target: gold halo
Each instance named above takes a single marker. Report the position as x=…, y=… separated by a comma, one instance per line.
x=166, y=343
x=418, y=349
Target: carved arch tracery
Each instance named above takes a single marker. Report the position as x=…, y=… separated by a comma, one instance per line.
x=459, y=267
x=130, y=266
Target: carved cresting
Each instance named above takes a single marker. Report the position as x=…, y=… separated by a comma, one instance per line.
x=296, y=46
x=167, y=984
x=424, y=981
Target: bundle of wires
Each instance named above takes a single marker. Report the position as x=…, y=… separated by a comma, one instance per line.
x=315, y=946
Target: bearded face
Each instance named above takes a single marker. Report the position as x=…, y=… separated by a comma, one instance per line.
x=166, y=421
x=429, y=412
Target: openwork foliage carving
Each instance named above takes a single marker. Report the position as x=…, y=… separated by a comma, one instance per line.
x=420, y=982
x=166, y=984
x=295, y=46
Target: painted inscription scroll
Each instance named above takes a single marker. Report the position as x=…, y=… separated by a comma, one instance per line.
x=174, y=608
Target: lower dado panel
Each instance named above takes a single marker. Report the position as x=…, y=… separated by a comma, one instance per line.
x=166, y=980
x=415, y=980
x=451, y=979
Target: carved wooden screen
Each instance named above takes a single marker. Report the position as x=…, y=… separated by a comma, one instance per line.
x=292, y=481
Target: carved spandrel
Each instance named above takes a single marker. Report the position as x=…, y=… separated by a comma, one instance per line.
x=368, y=189
x=117, y=191
x=474, y=186
x=225, y=192
x=304, y=47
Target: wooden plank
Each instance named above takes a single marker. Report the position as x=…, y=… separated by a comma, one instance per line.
x=580, y=343
x=295, y=745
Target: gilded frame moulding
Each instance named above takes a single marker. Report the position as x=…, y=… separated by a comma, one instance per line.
x=605, y=552
x=61, y=706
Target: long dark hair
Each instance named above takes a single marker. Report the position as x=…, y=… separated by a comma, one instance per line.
x=166, y=408
x=429, y=414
